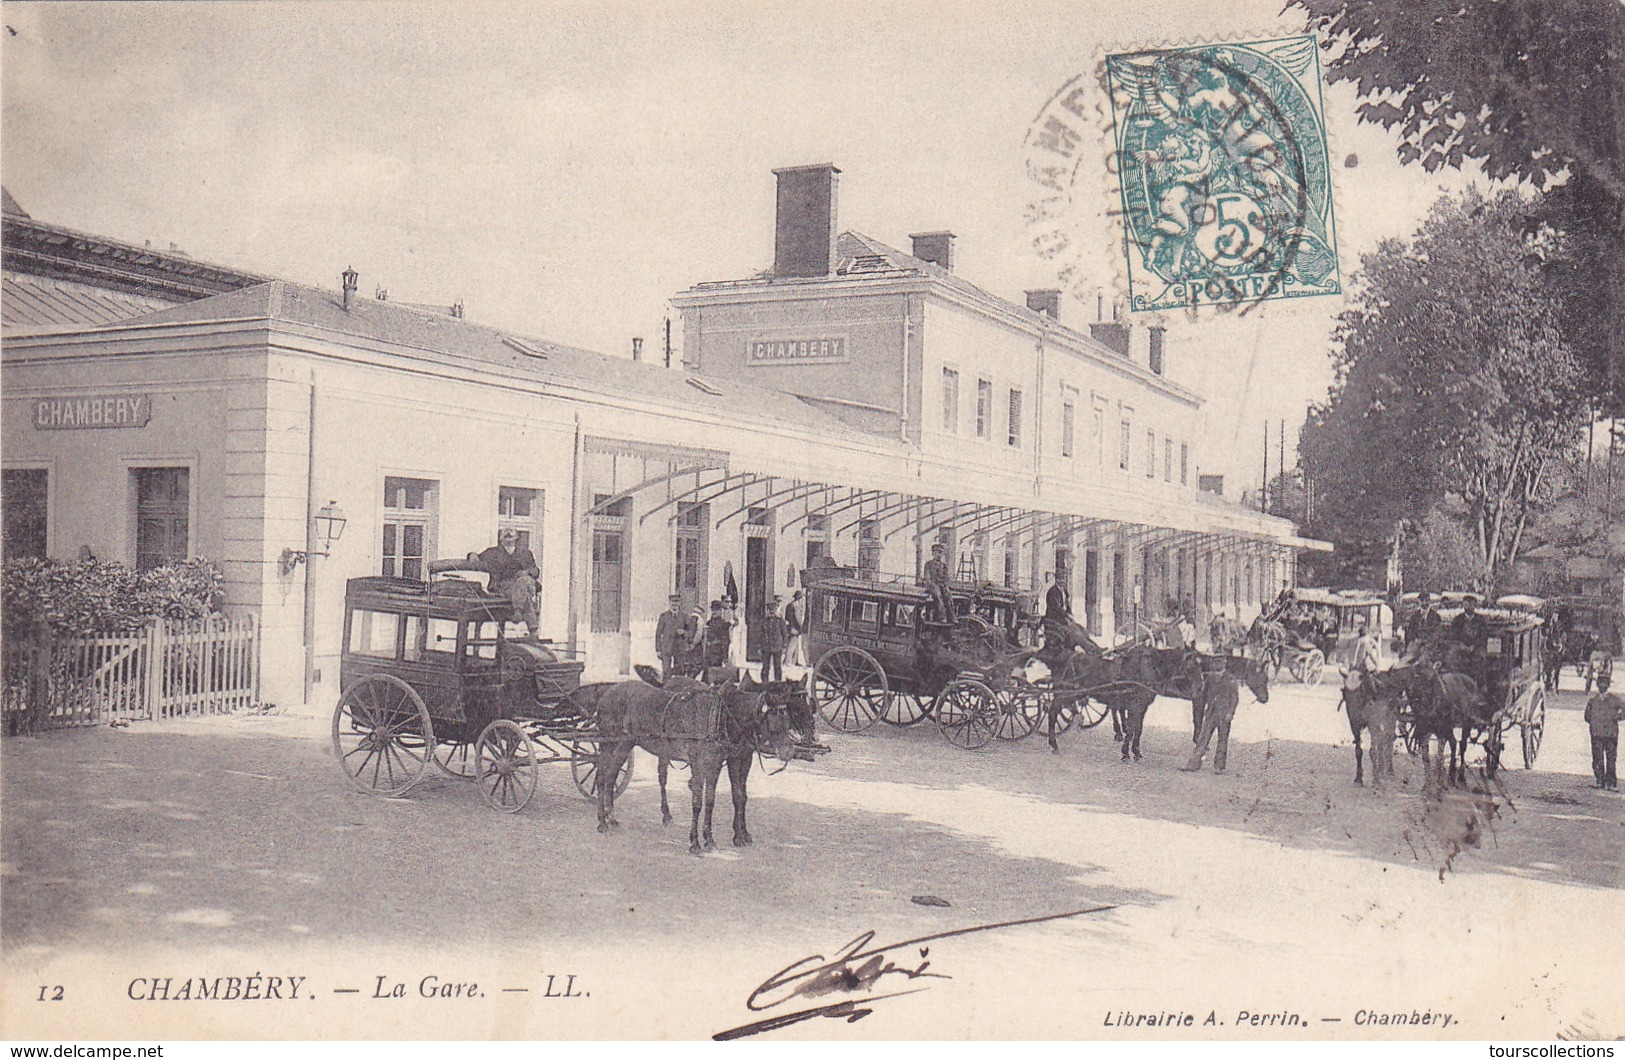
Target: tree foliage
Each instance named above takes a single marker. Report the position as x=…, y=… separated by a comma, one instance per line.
x=1533, y=89
x=73, y=599
x=1454, y=385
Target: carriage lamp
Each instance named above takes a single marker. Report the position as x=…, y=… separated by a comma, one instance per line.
x=329, y=528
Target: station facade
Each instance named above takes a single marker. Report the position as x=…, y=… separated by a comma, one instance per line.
x=854, y=401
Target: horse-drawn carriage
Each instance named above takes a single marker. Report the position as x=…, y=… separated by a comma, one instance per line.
x=1504, y=690
x=1582, y=626
x=429, y=674
x=1306, y=630
x=882, y=655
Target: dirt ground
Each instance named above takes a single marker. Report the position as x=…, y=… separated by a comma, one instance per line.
x=230, y=847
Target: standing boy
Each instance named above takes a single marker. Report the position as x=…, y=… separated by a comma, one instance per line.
x=1603, y=713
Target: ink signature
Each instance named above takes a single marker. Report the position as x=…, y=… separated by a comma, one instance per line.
x=857, y=966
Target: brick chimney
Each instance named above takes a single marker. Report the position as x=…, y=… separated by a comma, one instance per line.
x=1047, y=301
x=935, y=247
x=804, y=231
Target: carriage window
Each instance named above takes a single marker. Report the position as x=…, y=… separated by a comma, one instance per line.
x=414, y=638
x=1494, y=646
x=373, y=633
x=442, y=636
x=482, y=640
x=866, y=614
x=903, y=616
x=834, y=612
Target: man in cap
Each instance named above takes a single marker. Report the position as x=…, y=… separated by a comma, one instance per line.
x=514, y=573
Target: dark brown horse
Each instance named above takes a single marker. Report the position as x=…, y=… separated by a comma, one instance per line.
x=1124, y=682
x=706, y=727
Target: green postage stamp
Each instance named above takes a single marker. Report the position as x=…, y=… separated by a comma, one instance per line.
x=1221, y=158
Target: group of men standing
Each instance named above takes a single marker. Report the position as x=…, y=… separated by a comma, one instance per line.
x=695, y=645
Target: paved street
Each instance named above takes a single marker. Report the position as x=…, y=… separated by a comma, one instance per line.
x=233, y=846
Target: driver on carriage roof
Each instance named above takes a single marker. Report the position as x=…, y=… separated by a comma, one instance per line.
x=936, y=584
x=514, y=574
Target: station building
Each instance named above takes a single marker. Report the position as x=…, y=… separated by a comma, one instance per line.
x=854, y=400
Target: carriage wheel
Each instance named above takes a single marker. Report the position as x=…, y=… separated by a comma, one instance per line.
x=1494, y=744
x=584, y=771
x=905, y=708
x=967, y=714
x=1088, y=712
x=1019, y=710
x=1405, y=729
x=850, y=689
x=1314, y=667
x=382, y=735
x=455, y=760
x=505, y=765
x=1534, y=728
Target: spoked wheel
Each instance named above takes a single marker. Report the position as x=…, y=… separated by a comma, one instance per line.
x=1494, y=744
x=1019, y=711
x=1088, y=712
x=455, y=760
x=382, y=735
x=584, y=771
x=850, y=689
x=906, y=708
x=966, y=714
x=1534, y=727
x=505, y=766
x=1312, y=668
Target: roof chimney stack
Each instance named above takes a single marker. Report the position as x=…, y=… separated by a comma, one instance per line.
x=935, y=247
x=1047, y=301
x=350, y=277
x=637, y=349
x=804, y=230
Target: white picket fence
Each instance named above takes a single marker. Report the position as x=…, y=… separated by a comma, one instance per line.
x=170, y=669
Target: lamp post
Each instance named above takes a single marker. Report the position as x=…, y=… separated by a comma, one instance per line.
x=329, y=528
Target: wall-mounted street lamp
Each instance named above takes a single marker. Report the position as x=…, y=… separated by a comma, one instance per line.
x=329, y=528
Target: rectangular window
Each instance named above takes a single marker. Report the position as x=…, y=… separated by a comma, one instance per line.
x=1068, y=424
x=520, y=510
x=1184, y=464
x=1100, y=437
x=1015, y=418
x=865, y=616
x=1167, y=460
x=984, y=408
x=607, y=572
x=24, y=495
x=1150, y=454
x=1123, y=444
x=408, y=525
x=868, y=544
x=161, y=521
x=374, y=633
x=950, y=401
x=1010, y=566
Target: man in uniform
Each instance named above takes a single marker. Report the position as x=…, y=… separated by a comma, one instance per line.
x=669, y=635
x=936, y=584
x=513, y=573
x=1062, y=632
x=1469, y=630
x=775, y=634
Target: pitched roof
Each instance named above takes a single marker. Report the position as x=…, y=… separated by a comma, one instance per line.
x=458, y=342
x=10, y=205
x=862, y=257
x=27, y=302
